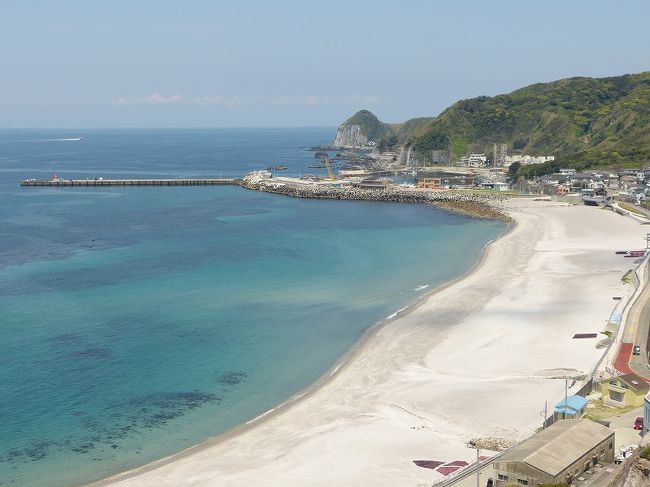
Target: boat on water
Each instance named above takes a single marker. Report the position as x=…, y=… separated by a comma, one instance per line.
x=277, y=168
x=317, y=165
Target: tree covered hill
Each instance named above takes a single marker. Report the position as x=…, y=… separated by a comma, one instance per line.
x=584, y=122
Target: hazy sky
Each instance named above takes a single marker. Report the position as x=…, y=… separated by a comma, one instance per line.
x=293, y=63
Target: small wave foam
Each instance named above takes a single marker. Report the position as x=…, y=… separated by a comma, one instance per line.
x=261, y=415
x=421, y=287
x=393, y=315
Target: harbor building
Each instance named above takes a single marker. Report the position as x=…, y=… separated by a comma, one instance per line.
x=430, y=183
x=566, y=451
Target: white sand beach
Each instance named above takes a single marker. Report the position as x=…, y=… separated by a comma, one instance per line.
x=469, y=362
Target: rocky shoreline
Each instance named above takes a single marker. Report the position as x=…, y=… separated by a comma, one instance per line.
x=474, y=209
x=469, y=203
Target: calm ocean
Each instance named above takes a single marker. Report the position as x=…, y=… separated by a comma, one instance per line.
x=136, y=322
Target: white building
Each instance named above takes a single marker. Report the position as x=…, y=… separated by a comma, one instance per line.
x=525, y=159
x=474, y=160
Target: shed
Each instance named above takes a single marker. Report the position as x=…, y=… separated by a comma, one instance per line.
x=572, y=407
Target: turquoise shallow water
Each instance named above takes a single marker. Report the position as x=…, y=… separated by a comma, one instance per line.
x=137, y=322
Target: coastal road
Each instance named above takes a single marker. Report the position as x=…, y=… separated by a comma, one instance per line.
x=639, y=363
x=636, y=333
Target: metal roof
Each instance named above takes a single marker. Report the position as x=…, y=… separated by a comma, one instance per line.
x=559, y=446
x=572, y=404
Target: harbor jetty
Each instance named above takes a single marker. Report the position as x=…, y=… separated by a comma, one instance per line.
x=481, y=204
x=99, y=182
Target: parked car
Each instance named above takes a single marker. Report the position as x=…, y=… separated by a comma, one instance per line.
x=638, y=423
x=637, y=350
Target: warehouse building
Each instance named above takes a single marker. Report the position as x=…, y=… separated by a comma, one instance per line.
x=563, y=452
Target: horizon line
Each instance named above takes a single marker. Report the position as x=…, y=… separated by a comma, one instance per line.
x=198, y=127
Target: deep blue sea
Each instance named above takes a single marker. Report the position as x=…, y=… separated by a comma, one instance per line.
x=136, y=322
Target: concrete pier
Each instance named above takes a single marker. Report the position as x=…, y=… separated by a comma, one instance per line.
x=130, y=182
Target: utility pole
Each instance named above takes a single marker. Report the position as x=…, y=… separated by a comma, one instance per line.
x=545, y=414
x=566, y=396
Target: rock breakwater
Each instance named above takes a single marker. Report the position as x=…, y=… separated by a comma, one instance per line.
x=469, y=203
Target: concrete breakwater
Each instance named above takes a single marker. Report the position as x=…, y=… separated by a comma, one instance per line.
x=129, y=182
x=475, y=204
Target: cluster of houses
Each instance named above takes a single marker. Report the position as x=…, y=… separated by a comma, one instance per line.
x=632, y=185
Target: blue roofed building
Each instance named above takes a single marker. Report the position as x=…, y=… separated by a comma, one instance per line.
x=573, y=407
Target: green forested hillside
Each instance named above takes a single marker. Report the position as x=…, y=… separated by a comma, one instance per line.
x=370, y=125
x=584, y=122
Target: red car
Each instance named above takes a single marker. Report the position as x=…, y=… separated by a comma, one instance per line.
x=638, y=423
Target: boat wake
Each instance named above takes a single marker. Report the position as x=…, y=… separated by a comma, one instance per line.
x=68, y=139
x=421, y=287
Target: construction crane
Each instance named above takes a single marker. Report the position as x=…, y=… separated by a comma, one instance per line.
x=330, y=172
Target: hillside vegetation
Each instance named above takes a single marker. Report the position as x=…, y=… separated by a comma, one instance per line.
x=583, y=122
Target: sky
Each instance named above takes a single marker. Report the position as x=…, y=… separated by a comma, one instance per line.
x=192, y=63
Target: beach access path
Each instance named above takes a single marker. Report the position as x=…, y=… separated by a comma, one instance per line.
x=477, y=358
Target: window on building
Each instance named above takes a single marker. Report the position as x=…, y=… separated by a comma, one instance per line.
x=610, y=445
x=616, y=396
x=502, y=477
x=577, y=471
x=522, y=482
x=602, y=452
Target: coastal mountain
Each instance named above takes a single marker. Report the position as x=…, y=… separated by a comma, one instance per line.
x=583, y=122
x=359, y=129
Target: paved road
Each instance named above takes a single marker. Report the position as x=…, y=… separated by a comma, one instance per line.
x=636, y=333
x=639, y=363
x=623, y=426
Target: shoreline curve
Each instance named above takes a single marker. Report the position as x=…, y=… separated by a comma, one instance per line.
x=330, y=374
